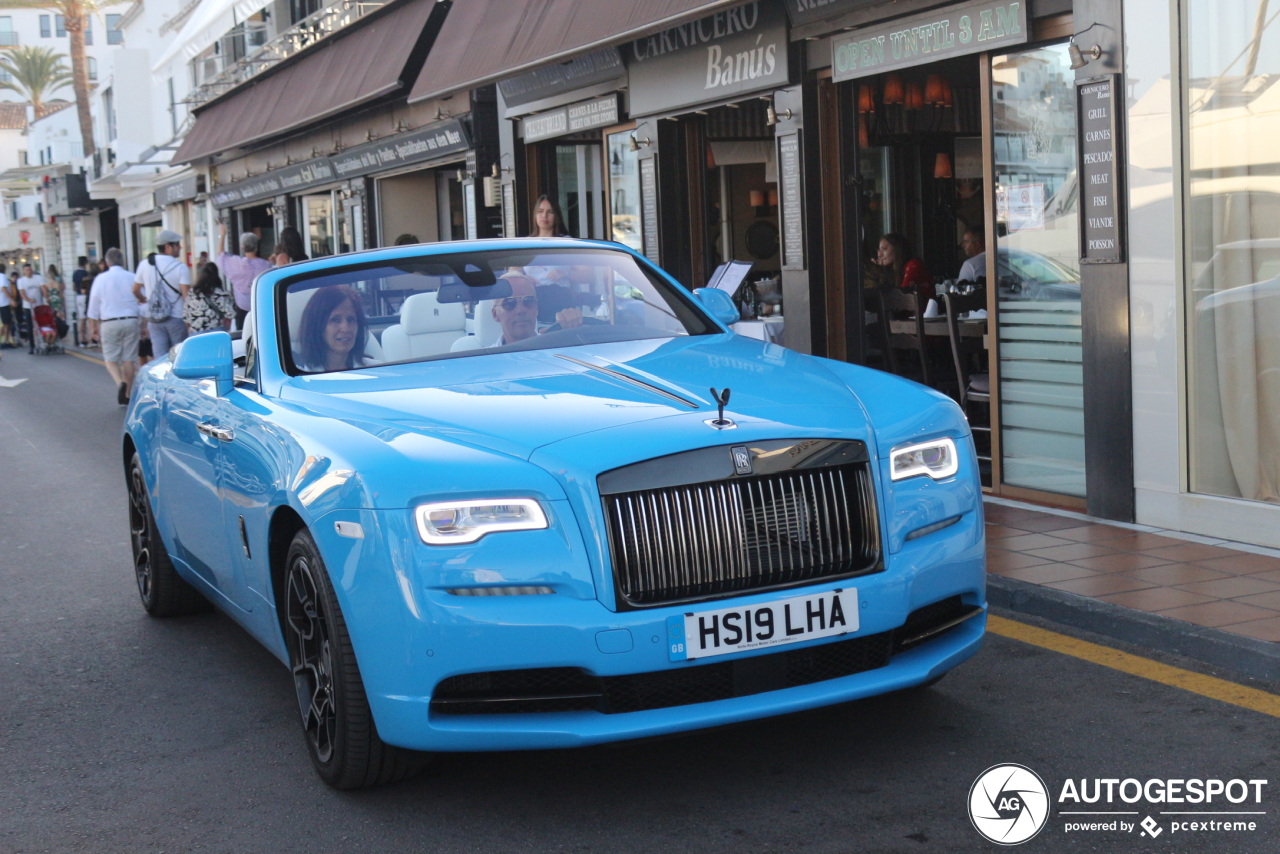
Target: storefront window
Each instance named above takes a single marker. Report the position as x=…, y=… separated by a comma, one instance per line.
x=318, y=211
x=624, y=191
x=1037, y=272
x=1232, y=230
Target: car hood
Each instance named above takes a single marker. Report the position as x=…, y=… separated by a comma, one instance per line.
x=516, y=403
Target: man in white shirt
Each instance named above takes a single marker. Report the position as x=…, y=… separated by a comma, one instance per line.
x=113, y=313
x=164, y=270
x=975, y=252
x=32, y=286
x=8, y=335
x=518, y=313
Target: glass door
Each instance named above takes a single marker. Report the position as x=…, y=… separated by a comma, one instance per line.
x=624, y=191
x=317, y=213
x=1037, y=271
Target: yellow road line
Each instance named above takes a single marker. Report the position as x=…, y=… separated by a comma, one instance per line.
x=1197, y=683
x=97, y=360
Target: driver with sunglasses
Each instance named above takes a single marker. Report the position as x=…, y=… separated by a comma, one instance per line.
x=518, y=313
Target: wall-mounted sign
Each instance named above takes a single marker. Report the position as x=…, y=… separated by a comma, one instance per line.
x=730, y=53
x=289, y=179
x=649, y=208
x=791, y=200
x=1101, y=237
x=596, y=113
x=177, y=191
x=438, y=139
x=928, y=37
x=599, y=67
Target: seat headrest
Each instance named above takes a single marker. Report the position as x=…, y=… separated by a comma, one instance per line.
x=422, y=313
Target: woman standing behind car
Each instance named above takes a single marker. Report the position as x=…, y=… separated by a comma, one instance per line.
x=290, y=248
x=208, y=306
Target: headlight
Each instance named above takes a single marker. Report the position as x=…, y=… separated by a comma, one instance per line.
x=453, y=522
x=937, y=459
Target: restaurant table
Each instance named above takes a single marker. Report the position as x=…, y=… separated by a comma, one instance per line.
x=770, y=328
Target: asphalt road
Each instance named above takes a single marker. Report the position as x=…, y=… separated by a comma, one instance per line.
x=120, y=733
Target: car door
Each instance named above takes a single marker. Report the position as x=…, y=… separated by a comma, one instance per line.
x=187, y=486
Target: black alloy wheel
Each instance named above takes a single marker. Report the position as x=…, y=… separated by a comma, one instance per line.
x=336, y=720
x=164, y=593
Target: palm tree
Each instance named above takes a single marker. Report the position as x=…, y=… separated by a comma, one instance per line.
x=75, y=14
x=36, y=73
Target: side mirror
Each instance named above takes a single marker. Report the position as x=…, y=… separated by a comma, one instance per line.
x=718, y=304
x=206, y=356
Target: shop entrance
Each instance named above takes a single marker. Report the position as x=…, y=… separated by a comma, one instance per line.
x=259, y=221
x=1005, y=229
x=421, y=206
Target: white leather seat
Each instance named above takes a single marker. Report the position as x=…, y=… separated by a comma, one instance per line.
x=486, y=330
x=426, y=328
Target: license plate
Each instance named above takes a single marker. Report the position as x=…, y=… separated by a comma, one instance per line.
x=708, y=633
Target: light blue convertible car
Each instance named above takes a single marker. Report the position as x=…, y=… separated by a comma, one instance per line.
x=516, y=494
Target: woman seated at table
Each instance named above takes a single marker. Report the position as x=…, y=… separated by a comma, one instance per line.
x=901, y=268
x=333, y=332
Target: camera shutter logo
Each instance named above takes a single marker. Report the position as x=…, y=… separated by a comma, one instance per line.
x=1008, y=804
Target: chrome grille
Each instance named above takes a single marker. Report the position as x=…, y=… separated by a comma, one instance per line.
x=706, y=540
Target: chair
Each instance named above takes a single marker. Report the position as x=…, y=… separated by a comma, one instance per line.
x=485, y=330
x=974, y=387
x=427, y=327
x=897, y=304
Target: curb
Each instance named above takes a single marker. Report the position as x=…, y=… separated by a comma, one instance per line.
x=1247, y=656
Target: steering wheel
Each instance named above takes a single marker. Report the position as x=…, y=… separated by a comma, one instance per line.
x=586, y=321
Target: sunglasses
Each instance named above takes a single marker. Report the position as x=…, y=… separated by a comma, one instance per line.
x=509, y=304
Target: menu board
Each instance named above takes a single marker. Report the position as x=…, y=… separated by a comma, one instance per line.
x=1101, y=235
x=649, y=207
x=469, y=208
x=792, y=201
x=509, y=210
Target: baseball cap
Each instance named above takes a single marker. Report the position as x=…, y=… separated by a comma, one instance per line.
x=165, y=237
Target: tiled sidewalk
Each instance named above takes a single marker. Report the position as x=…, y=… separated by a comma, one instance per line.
x=1207, y=583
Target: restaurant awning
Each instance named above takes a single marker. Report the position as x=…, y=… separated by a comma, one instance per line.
x=369, y=60
x=485, y=40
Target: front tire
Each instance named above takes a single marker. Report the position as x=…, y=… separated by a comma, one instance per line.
x=164, y=593
x=336, y=720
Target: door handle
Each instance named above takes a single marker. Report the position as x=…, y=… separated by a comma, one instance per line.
x=214, y=432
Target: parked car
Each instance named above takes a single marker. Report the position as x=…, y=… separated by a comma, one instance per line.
x=1031, y=276
x=459, y=539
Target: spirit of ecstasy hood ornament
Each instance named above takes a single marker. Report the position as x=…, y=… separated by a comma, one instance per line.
x=720, y=422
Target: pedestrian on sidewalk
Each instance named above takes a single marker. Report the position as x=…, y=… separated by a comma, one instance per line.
x=167, y=279
x=209, y=306
x=33, y=288
x=8, y=333
x=240, y=269
x=113, y=313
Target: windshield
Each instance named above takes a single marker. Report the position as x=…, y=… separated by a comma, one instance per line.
x=465, y=304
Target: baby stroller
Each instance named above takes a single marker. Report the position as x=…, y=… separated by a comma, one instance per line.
x=48, y=331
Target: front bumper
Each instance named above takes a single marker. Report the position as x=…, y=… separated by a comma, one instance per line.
x=410, y=639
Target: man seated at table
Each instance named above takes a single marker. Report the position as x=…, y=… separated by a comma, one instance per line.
x=975, y=251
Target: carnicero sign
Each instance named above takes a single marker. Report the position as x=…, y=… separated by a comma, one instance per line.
x=729, y=53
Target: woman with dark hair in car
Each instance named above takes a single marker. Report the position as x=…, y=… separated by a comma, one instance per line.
x=333, y=331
